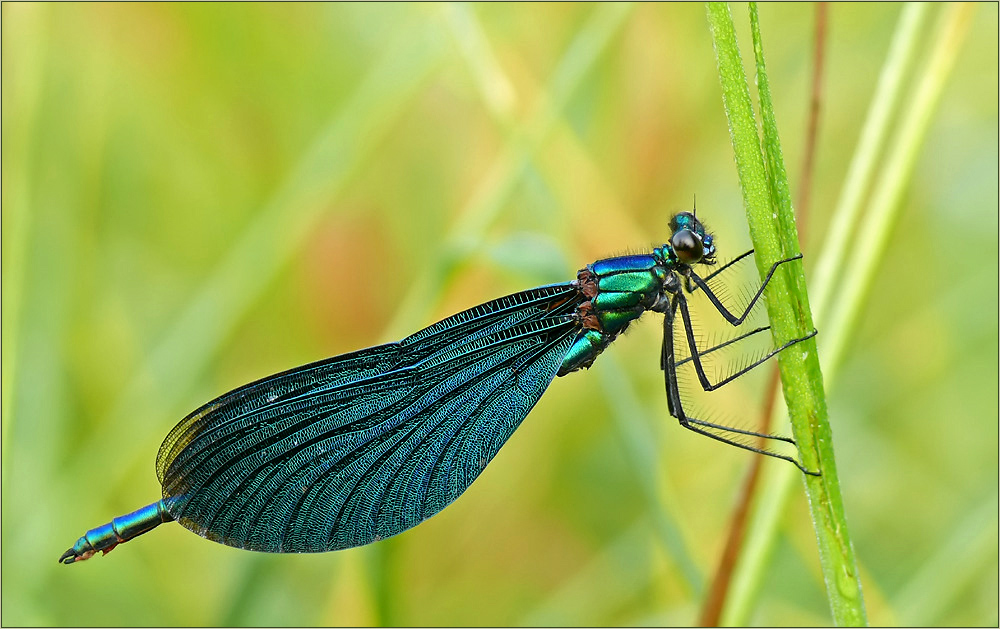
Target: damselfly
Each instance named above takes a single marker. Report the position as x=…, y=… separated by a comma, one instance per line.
x=359, y=447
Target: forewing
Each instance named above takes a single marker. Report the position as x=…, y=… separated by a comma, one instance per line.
x=362, y=446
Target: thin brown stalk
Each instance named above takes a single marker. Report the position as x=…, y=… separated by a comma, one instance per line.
x=812, y=125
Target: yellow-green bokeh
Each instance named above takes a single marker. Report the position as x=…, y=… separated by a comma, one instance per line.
x=198, y=195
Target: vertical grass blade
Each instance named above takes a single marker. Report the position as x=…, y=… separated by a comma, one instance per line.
x=897, y=169
x=871, y=143
x=772, y=230
x=835, y=336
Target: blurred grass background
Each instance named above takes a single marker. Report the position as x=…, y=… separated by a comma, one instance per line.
x=197, y=195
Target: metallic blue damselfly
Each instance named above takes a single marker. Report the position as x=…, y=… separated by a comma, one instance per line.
x=359, y=447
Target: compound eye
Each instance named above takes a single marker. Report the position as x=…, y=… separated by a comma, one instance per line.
x=687, y=246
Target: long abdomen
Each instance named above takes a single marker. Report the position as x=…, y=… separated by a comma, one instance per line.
x=118, y=531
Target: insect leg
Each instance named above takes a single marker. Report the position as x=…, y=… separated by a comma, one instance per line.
x=667, y=361
x=680, y=301
x=730, y=317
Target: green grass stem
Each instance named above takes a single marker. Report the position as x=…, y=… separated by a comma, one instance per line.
x=906, y=43
x=839, y=246
x=772, y=230
x=762, y=528
x=872, y=241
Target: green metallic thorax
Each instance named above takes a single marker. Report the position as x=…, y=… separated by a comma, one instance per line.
x=619, y=291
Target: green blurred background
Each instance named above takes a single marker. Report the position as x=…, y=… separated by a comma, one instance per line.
x=198, y=195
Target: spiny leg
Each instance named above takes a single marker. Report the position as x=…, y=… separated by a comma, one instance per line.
x=681, y=301
x=715, y=348
x=709, y=278
x=696, y=358
x=667, y=361
x=731, y=341
x=722, y=269
x=730, y=317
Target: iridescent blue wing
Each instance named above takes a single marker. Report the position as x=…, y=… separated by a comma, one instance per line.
x=362, y=446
